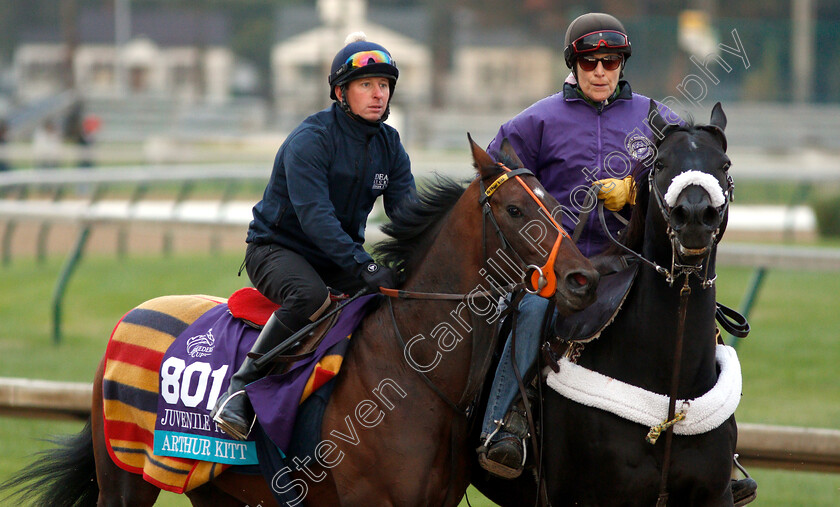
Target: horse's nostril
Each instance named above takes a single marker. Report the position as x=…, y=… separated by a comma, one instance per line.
x=582, y=280
x=679, y=217
x=711, y=217
x=579, y=279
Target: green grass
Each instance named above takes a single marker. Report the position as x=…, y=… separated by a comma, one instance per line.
x=99, y=293
x=789, y=360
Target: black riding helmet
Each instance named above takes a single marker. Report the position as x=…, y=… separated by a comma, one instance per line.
x=595, y=32
x=360, y=58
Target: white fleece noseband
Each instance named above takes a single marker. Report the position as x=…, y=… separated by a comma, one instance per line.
x=707, y=181
x=633, y=403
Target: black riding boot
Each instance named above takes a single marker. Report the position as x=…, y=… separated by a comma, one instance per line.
x=503, y=454
x=233, y=412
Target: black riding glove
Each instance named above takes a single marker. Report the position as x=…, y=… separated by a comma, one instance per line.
x=376, y=276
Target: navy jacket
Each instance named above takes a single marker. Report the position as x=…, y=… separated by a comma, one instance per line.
x=326, y=177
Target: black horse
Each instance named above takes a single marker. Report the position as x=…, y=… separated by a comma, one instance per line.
x=663, y=341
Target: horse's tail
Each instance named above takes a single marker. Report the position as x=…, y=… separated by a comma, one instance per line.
x=63, y=476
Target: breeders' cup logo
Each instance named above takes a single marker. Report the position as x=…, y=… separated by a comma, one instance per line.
x=380, y=182
x=201, y=345
x=639, y=147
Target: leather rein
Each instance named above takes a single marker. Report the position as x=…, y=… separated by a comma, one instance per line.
x=541, y=281
x=677, y=270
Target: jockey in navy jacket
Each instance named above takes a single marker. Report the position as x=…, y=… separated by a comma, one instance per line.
x=326, y=177
x=308, y=231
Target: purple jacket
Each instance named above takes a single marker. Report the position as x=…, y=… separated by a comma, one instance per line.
x=569, y=143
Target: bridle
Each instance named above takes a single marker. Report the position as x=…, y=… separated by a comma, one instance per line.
x=542, y=281
x=677, y=268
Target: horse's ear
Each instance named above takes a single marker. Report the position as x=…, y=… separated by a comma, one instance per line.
x=718, y=118
x=717, y=124
x=657, y=123
x=481, y=160
x=508, y=150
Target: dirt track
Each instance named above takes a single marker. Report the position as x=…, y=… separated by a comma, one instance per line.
x=151, y=239
x=138, y=239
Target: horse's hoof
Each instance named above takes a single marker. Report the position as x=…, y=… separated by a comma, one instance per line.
x=504, y=458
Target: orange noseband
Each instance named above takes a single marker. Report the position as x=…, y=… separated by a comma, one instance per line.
x=542, y=280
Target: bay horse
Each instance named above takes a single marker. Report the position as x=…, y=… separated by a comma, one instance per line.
x=456, y=247
x=592, y=456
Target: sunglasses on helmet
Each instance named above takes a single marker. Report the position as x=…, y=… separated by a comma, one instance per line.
x=588, y=63
x=606, y=38
x=364, y=58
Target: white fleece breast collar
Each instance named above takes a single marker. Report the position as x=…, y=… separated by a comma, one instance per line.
x=633, y=403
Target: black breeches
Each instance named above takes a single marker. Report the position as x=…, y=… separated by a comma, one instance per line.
x=286, y=278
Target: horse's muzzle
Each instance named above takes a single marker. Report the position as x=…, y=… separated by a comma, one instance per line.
x=577, y=290
x=694, y=222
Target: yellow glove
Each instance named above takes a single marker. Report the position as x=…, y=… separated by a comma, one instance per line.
x=617, y=193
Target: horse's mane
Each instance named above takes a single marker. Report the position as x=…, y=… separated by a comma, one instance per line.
x=634, y=234
x=413, y=226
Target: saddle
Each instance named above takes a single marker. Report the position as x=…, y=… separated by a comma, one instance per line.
x=253, y=308
x=587, y=324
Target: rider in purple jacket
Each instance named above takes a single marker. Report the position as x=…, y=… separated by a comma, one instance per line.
x=569, y=142
x=595, y=130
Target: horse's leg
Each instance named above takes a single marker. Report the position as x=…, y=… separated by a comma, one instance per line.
x=117, y=487
x=212, y=496
x=405, y=458
x=251, y=489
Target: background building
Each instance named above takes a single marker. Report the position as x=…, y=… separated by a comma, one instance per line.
x=167, y=52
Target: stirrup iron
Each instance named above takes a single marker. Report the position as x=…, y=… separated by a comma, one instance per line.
x=225, y=426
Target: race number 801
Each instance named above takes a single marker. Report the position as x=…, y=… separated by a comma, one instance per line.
x=189, y=383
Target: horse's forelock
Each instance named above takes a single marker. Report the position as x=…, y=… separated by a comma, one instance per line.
x=506, y=160
x=688, y=126
x=633, y=235
x=489, y=172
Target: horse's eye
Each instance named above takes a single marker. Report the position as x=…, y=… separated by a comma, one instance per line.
x=726, y=165
x=659, y=165
x=514, y=211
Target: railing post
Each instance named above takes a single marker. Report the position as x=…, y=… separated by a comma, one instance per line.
x=183, y=193
x=231, y=188
x=64, y=278
x=44, y=230
x=749, y=298
x=9, y=231
x=122, y=234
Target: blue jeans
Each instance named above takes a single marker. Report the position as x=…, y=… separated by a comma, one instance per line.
x=528, y=330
